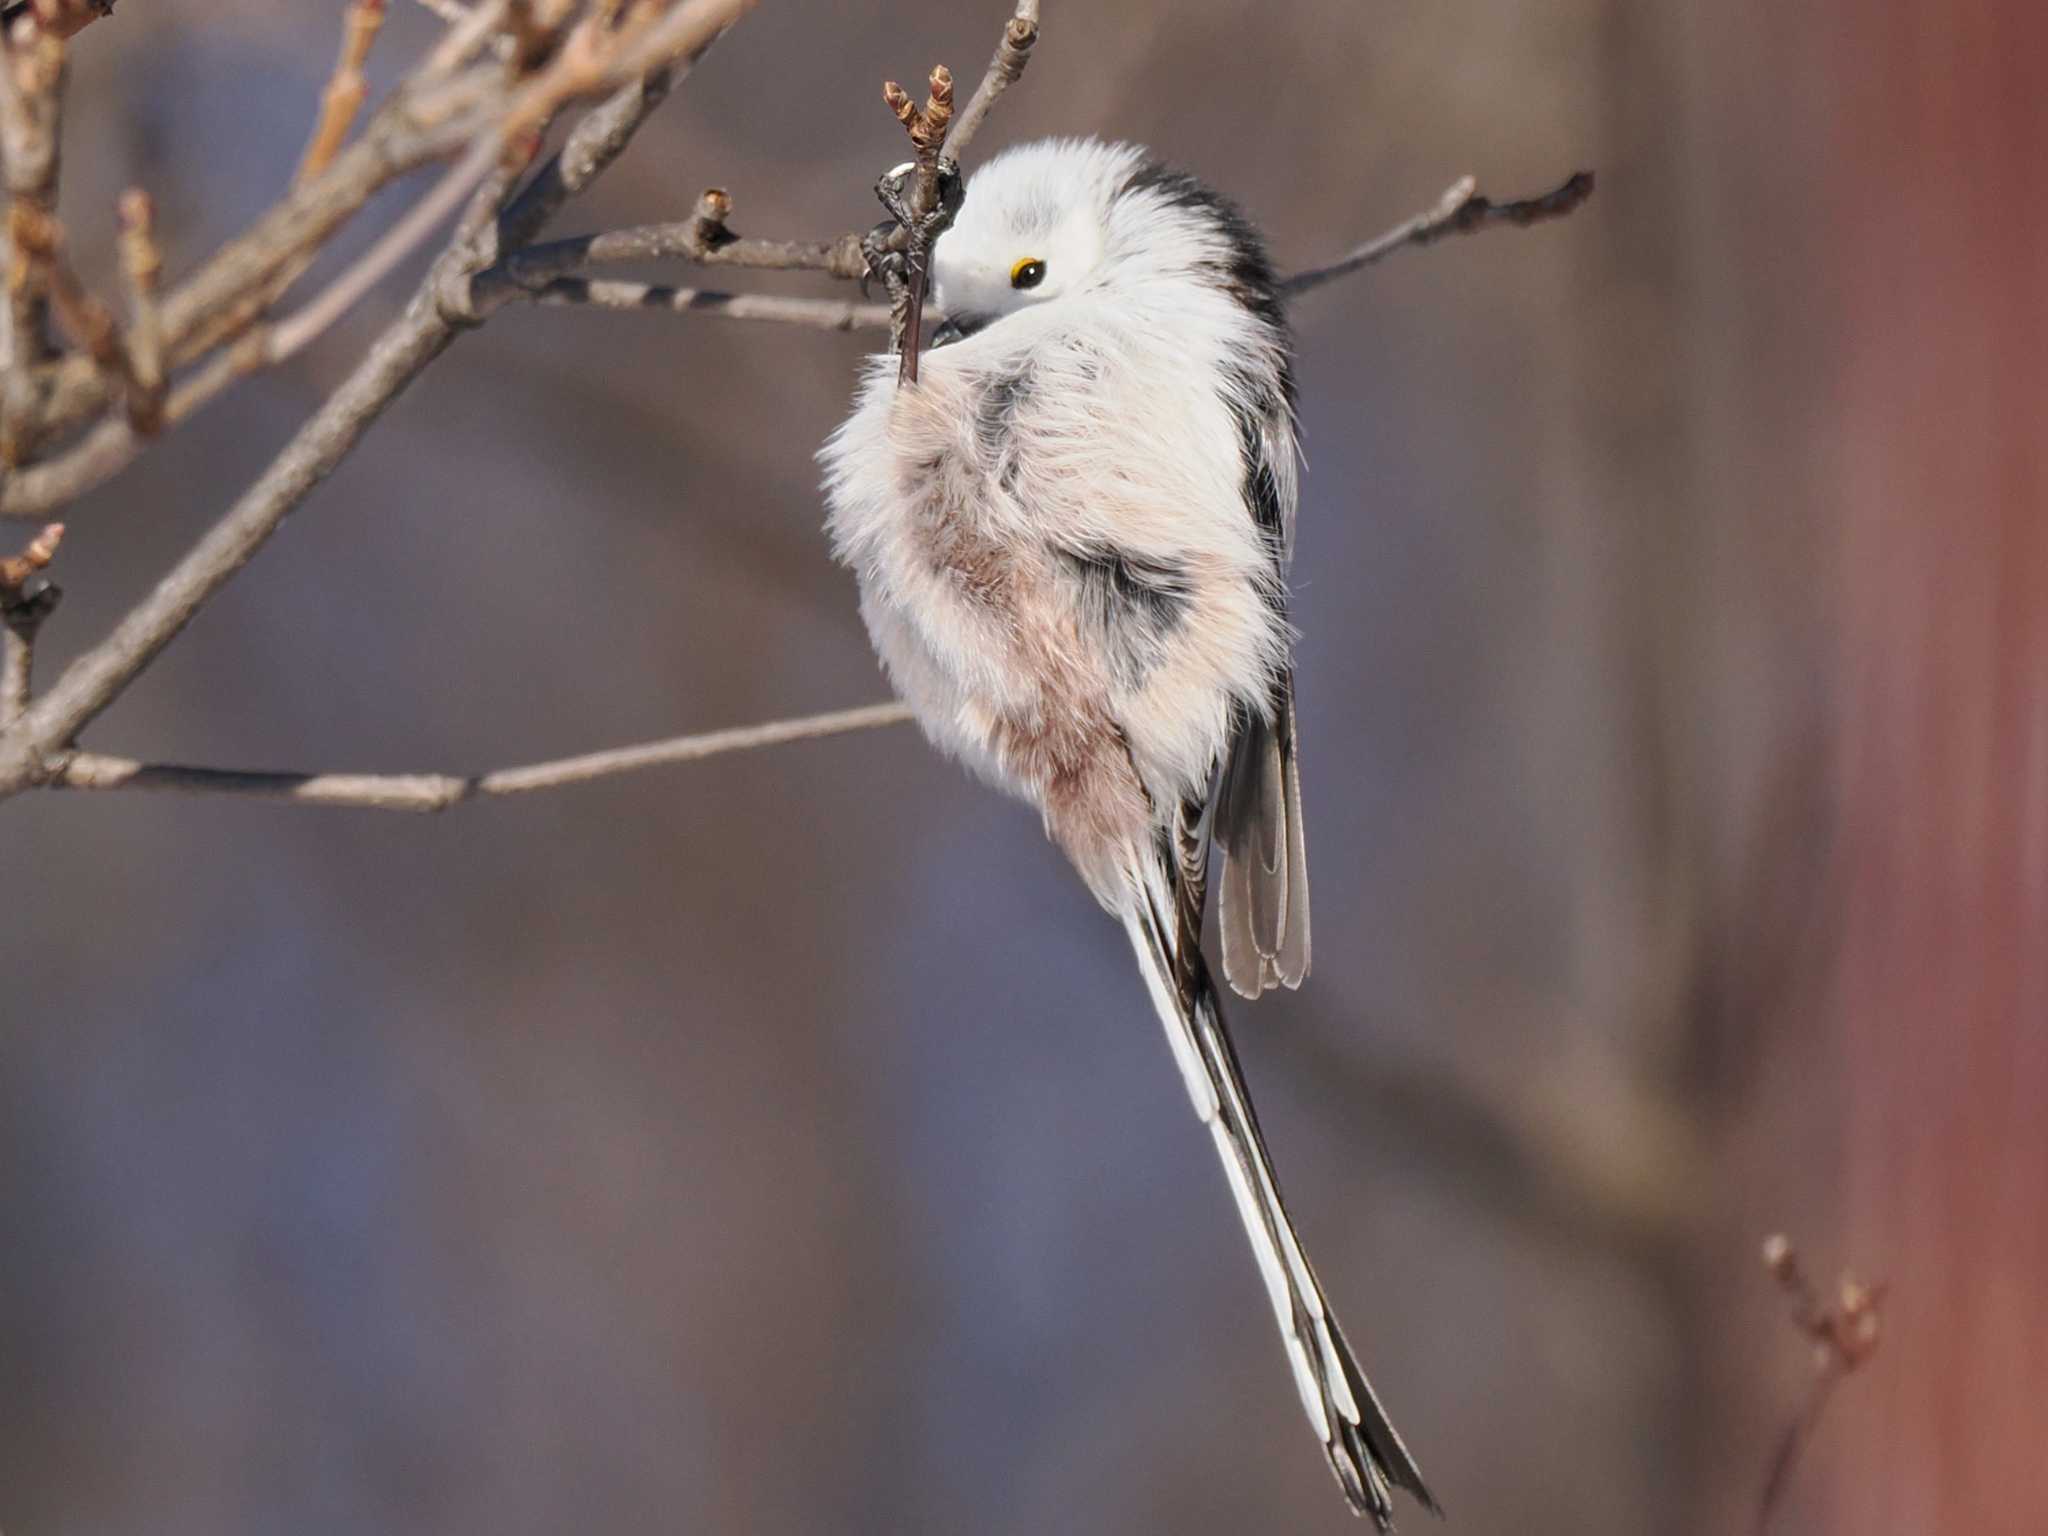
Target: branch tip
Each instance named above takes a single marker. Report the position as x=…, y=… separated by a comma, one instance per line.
x=16, y=570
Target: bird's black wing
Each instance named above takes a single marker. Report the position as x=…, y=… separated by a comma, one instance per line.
x=1262, y=896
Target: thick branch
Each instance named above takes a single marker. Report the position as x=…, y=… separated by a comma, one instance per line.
x=1460, y=211
x=438, y=791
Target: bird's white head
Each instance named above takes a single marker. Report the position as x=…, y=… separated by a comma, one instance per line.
x=1056, y=218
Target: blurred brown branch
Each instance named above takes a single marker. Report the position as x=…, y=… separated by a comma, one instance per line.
x=59, y=18
x=1844, y=1335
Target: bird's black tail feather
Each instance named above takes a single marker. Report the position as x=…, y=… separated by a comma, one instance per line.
x=1365, y=1452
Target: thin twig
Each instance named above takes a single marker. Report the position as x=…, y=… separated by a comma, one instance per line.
x=1459, y=211
x=820, y=314
x=702, y=239
x=142, y=265
x=582, y=61
x=86, y=320
x=927, y=129
x=454, y=12
x=346, y=88
x=438, y=791
x=1012, y=54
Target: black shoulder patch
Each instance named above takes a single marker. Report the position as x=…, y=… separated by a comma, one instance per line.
x=1261, y=415
x=1246, y=269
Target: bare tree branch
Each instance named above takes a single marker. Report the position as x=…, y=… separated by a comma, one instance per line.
x=1012, y=54
x=416, y=127
x=438, y=791
x=703, y=238
x=33, y=743
x=821, y=314
x=438, y=112
x=1459, y=211
x=597, y=141
x=530, y=273
x=494, y=115
x=545, y=273
x=96, y=679
x=111, y=446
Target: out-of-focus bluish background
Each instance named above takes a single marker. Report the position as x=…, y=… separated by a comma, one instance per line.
x=783, y=1143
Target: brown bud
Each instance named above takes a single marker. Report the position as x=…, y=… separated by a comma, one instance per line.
x=41, y=551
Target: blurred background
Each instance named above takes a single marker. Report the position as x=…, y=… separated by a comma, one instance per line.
x=783, y=1143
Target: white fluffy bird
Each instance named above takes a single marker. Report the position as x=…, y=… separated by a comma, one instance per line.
x=1071, y=534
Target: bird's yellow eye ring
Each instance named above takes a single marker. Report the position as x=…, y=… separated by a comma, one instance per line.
x=1028, y=273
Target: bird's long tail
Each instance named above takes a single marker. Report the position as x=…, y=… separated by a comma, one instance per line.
x=1365, y=1452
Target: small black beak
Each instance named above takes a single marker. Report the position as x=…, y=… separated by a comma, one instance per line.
x=956, y=327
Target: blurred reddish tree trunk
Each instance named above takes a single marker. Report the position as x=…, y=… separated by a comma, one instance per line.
x=1936, y=457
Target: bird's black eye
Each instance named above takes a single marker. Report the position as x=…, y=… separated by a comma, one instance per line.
x=1028, y=273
